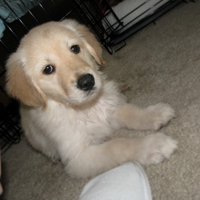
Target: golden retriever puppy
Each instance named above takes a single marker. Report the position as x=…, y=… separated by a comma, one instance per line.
x=69, y=111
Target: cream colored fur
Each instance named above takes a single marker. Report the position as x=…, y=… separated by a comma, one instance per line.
x=76, y=126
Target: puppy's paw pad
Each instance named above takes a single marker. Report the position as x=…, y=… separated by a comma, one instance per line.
x=158, y=147
x=161, y=114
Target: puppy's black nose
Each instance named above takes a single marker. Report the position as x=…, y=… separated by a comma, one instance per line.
x=86, y=82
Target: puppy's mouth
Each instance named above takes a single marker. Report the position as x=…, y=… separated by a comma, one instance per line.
x=90, y=92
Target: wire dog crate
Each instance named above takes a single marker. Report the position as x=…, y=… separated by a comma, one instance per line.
x=10, y=129
x=114, y=24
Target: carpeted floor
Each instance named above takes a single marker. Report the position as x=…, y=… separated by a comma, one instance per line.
x=162, y=64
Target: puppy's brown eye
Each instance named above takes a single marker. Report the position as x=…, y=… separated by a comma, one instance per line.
x=75, y=49
x=49, y=69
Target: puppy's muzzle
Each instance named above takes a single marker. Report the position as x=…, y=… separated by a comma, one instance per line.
x=86, y=82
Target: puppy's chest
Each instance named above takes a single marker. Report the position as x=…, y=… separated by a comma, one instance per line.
x=98, y=118
x=97, y=123
x=99, y=115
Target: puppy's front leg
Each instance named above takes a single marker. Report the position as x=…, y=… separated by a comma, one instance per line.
x=150, y=118
x=96, y=159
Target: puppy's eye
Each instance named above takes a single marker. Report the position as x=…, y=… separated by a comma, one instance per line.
x=75, y=49
x=49, y=69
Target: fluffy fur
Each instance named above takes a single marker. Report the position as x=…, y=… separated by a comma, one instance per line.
x=73, y=124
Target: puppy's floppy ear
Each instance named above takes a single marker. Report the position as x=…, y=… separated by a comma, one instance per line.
x=20, y=86
x=92, y=44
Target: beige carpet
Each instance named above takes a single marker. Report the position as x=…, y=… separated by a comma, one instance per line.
x=162, y=63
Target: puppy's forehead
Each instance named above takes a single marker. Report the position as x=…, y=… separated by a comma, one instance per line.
x=51, y=33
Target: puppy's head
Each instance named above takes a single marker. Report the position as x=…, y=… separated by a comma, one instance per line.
x=57, y=61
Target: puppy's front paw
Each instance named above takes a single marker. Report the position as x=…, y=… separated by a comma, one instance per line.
x=159, y=115
x=156, y=148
